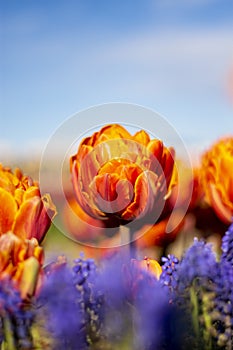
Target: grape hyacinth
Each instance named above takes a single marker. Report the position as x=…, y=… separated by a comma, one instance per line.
x=15, y=318
x=169, y=276
x=84, y=278
x=227, y=246
x=67, y=303
x=224, y=293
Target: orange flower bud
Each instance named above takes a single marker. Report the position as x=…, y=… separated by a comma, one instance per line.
x=217, y=178
x=21, y=262
x=22, y=209
x=150, y=265
x=118, y=177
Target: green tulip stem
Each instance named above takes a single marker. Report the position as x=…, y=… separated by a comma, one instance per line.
x=127, y=239
x=195, y=310
x=206, y=306
x=9, y=343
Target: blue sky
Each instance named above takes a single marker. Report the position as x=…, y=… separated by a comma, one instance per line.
x=59, y=57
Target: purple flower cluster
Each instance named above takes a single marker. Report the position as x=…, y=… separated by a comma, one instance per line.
x=169, y=276
x=15, y=318
x=202, y=287
x=68, y=303
x=224, y=292
x=117, y=305
x=227, y=246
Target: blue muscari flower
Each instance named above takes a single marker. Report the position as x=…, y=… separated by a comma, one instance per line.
x=224, y=292
x=227, y=245
x=198, y=263
x=65, y=317
x=169, y=275
x=85, y=275
x=223, y=308
x=18, y=316
x=112, y=288
x=151, y=303
x=190, y=282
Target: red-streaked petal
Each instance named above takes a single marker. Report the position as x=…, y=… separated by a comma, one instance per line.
x=32, y=218
x=156, y=148
x=139, y=204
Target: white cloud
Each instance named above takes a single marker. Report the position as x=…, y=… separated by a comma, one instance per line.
x=179, y=57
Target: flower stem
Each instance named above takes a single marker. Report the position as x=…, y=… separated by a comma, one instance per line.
x=132, y=246
x=9, y=343
x=127, y=239
x=195, y=310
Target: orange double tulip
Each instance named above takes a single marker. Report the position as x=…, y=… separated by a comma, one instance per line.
x=119, y=177
x=22, y=208
x=217, y=178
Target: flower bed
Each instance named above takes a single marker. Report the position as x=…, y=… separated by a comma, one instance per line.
x=122, y=300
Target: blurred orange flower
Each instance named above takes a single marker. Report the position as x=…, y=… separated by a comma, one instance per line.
x=79, y=224
x=156, y=235
x=150, y=265
x=118, y=177
x=217, y=178
x=20, y=262
x=22, y=209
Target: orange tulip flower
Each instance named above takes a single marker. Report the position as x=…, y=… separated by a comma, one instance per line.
x=217, y=178
x=20, y=262
x=118, y=177
x=22, y=209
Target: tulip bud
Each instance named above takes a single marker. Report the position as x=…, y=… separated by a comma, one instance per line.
x=22, y=208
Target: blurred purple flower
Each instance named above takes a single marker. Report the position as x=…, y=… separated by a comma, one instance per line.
x=15, y=318
x=224, y=293
x=199, y=263
x=227, y=246
x=65, y=317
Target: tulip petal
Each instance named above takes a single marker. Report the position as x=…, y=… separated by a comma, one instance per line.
x=29, y=277
x=168, y=163
x=149, y=194
x=226, y=165
x=223, y=212
x=84, y=151
x=25, y=224
x=142, y=137
x=84, y=198
x=32, y=219
x=112, y=131
x=155, y=148
x=8, y=209
x=139, y=204
x=7, y=180
x=116, y=193
x=32, y=191
x=106, y=186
